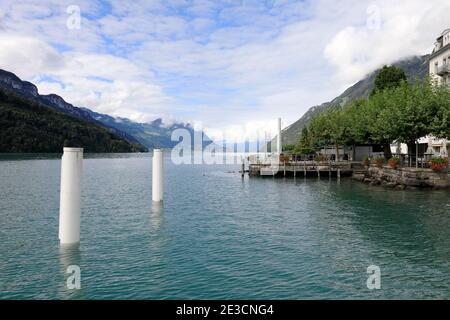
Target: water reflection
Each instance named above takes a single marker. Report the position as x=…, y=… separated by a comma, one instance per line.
x=157, y=216
x=70, y=255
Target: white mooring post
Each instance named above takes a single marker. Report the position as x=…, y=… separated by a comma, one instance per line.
x=279, y=139
x=70, y=196
x=158, y=175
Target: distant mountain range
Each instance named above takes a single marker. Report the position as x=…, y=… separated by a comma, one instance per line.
x=413, y=67
x=28, y=126
x=156, y=135
x=151, y=135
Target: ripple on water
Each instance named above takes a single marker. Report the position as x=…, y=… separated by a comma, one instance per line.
x=218, y=236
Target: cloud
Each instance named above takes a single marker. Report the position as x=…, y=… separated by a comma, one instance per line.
x=223, y=63
x=104, y=83
x=405, y=28
x=27, y=55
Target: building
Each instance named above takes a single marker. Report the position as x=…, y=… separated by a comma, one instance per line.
x=440, y=73
x=353, y=153
x=440, y=59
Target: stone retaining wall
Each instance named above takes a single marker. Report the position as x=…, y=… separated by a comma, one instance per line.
x=403, y=178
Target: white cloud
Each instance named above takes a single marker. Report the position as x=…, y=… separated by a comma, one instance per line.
x=407, y=28
x=27, y=56
x=224, y=63
x=104, y=83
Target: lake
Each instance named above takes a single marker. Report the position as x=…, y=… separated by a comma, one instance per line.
x=218, y=236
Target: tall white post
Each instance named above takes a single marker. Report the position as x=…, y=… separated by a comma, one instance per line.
x=70, y=196
x=158, y=175
x=444, y=147
x=279, y=140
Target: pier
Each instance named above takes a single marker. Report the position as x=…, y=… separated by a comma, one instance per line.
x=278, y=164
x=296, y=168
x=399, y=178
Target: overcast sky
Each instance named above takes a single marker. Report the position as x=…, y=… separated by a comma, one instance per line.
x=228, y=64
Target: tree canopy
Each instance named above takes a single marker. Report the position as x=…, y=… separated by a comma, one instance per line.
x=388, y=77
x=404, y=113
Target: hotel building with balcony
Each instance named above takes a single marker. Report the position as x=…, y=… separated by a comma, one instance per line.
x=440, y=74
x=440, y=59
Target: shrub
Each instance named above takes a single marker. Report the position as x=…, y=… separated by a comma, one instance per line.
x=288, y=148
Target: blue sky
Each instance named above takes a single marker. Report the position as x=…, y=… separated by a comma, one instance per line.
x=228, y=64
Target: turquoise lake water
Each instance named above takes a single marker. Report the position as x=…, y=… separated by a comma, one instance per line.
x=218, y=236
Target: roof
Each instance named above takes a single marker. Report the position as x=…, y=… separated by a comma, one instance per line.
x=441, y=50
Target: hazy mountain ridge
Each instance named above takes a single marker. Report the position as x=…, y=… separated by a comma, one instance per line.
x=414, y=67
x=10, y=81
x=27, y=126
x=25, y=89
x=151, y=135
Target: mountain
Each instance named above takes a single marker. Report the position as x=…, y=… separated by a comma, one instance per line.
x=151, y=135
x=29, y=126
x=25, y=89
x=414, y=67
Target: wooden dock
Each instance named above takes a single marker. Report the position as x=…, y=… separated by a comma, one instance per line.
x=304, y=169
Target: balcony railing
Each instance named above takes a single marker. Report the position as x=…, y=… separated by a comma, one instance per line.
x=443, y=70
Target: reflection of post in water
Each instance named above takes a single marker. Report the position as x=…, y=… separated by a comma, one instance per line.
x=70, y=264
x=157, y=239
x=157, y=215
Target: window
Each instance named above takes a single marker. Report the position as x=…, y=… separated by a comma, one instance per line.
x=436, y=67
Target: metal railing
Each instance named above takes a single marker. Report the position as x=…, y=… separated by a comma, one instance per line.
x=406, y=160
x=414, y=161
x=444, y=69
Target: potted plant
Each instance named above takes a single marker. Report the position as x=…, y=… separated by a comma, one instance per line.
x=366, y=161
x=379, y=161
x=438, y=164
x=394, y=162
x=321, y=158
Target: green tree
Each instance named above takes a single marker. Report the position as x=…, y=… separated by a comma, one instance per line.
x=330, y=128
x=357, y=124
x=412, y=112
x=396, y=111
x=388, y=77
x=306, y=143
x=288, y=148
x=440, y=123
x=382, y=123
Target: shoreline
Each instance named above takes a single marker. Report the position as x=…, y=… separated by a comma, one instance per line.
x=401, y=178
x=404, y=178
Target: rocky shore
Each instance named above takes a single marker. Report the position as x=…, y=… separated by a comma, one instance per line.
x=403, y=178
